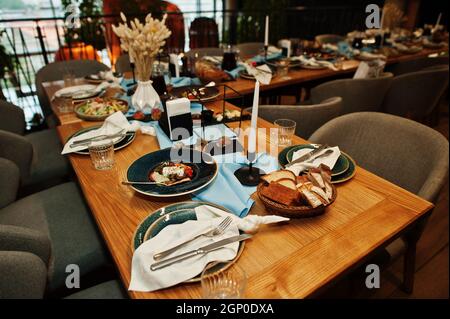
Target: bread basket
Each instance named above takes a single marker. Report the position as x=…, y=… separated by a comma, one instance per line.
x=292, y=211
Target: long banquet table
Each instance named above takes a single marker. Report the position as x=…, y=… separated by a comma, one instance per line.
x=293, y=260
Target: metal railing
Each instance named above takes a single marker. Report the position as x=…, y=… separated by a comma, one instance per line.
x=33, y=43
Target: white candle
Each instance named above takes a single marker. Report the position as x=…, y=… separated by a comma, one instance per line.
x=252, y=135
x=382, y=20
x=436, y=26
x=266, y=32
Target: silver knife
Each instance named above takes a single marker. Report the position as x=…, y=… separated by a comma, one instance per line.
x=200, y=251
x=307, y=156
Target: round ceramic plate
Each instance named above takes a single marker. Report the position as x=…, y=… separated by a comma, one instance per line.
x=121, y=143
x=342, y=164
x=312, y=67
x=292, y=63
x=87, y=117
x=78, y=92
x=205, y=171
x=348, y=174
x=173, y=214
x=244, y=74
x=210, y=92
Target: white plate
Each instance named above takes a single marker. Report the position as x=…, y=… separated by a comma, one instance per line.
x=78, y=92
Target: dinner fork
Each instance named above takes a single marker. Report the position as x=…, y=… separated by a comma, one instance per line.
x=97, y=138
x=325, y=154
x=211, y=233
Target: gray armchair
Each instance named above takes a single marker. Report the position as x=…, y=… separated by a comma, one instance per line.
x=416, y=94
x=415, y=65
x=123, y=63
x=308, y=117
x=402, y=151
x=249, y=49
x=54, y=224
x=37, y=154
x=358, y=95
x=55, y=71
x=23, y=276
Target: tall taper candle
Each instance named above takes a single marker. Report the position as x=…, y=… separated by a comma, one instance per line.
x=253, y=128
x=266, y=33
x=436, y=26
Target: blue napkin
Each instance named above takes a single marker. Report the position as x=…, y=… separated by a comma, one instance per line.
x=226, y=190
x=184, y=81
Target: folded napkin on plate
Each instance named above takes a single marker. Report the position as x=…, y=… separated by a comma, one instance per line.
x=314, y=62
x=226, y=190
x=261, y=73
x=329, y=160
x=144, y=279
x=248, y=224
x=113, y=124
x=184, y=81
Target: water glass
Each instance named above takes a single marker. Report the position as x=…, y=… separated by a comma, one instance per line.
x=102, y=155
x=69, y=78
x=66, y=105
x=285, y=130
x=220, y=282
x=283, y=68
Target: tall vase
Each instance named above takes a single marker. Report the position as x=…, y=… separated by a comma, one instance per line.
x=145, y=96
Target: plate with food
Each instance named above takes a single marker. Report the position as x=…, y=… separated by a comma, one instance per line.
x=174, y=214
x=119, y=143
x=293, y=196
x=172, y=172
x=196, y=93
x=78, y=92
x=99, y=108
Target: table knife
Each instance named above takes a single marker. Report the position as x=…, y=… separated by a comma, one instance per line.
x=200, y=251
x=308, y=156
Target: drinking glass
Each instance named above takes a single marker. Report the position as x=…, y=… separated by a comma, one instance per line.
x=285, y=130
x=66, y=105
x=283, y=68
x=224, y=283
x=69, y=78
x=102, y=155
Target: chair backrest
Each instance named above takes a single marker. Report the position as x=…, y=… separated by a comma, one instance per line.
x=123, y=63
x=415, y=94
x=203, y=32
x=403, y=151
x=358, y=95
x=12, y=118
x=18, y=150
x=9, y=181
x=56, y=70
x=249, y=49
x=201, y=52
x=415, y=65
x=308, y=117
x=329, y=38
x=23, y=275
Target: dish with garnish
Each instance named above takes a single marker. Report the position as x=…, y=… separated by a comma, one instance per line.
x=195, y=93
x=99, y=108
x=175, y=171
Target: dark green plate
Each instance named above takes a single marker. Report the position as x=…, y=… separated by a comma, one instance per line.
x=347, y=175
x=124, y=142
x=205, y=171
x=177, y=213
x=342, y=164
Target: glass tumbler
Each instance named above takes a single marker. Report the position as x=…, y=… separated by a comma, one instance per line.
x=220, y=282
x=102, y=155
x=285, y=130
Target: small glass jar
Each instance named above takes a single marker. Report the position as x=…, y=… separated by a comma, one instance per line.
x=102, y=155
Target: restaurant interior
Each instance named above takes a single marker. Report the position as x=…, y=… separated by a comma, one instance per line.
x=224, y=149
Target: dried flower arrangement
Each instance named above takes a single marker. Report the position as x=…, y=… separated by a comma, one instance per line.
x=142, y=41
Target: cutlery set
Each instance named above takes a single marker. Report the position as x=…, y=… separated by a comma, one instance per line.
x=311, y=156
x=98, y=138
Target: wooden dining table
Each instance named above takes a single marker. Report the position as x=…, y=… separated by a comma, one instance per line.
x=297, y=259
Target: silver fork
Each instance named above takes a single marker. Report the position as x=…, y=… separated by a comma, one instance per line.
x=325, y=154
x=211, y=233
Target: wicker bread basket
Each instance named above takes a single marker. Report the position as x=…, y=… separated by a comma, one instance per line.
x=292, y=211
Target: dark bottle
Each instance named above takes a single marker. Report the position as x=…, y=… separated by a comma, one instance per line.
x=159, y=83
x=229, y=60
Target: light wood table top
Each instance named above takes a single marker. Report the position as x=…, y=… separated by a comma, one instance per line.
x=244, y=86
x=292, y=260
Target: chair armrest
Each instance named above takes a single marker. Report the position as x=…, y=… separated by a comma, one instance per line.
x=16, y=238
x=23, y=275
x=12, y=118
x=17, y=149
x=9, y=182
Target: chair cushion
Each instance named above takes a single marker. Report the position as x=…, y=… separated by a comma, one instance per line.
x=61, y=213
x=48, y=163
x=112, y=289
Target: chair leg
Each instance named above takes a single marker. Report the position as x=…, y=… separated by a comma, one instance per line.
x=409, y=266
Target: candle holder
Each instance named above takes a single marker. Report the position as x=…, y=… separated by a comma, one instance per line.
x=266, y=49
x=249, y=175
x=134, y=76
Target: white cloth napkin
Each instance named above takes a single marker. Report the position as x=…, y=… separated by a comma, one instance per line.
x=144, y=279
x=113, y=124
x=314, y=62
x=208, y=217
x=329, y=160
x=248, y=224
x=261, y=73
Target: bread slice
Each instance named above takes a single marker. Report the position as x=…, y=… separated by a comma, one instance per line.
x=277, y=175
x=316, y=179
x=281, y=194
x=310, y=197
x=289, y=183
x=320, y=194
